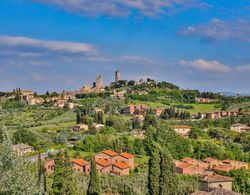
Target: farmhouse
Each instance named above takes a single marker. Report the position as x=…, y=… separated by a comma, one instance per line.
x=22, y=149
x=238, y=127
x=182, y=129
x=211, y=182
x=81, y=127
x=81, y=166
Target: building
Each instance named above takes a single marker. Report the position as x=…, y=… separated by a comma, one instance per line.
x=22, y=149
x=189, y=169
x=81, y=166
x=103, y=165
x=117, y=76
x=109, y=161
x=213, y=115
x=138, y=118
x=127, y=159
x=236, y=164
x=98, y=82
x=212, y=162
x=211, y=182
x=205, y=100
x=135, y=109
x=35, y=101
x=26, y=95
x=239, y=127
x=182, y=129
x=80, y=127
x=120, y=168
x=49, y=166
x=107, y=154
x=158, y=111
x=216, y=192
x=195, y=162
x=98, y=126
x=222, y=167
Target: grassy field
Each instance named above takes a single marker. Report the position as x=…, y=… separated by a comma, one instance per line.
x=197, y=107
x=203, y=108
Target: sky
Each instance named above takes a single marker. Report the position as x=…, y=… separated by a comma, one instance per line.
x=55, y=45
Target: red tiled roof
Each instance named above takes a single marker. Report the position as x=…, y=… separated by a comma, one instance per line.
x=121, y=165
x=216, y=178
x=80, y=162
x=189, y=160
x=209, y=159
x=110, y=152
x=184, y=165
x=127, y=155
x=102, y=161
x=223, y=168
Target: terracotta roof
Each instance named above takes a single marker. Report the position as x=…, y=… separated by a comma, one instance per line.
x=189, y=160
x=127, y=155
x=223, y=168
x=216, y=178
x=181, y=127
x=184, y=165
x=80, y=162
x=121, y=165
x=50, y=160
x=103, y=162
x=209, y=159
x=110, y=152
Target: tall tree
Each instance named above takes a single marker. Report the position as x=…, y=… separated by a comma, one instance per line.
x=154, y=170
x=41, y=181
x=94, y=183
x=78, y=116
x=63, y=181
x=17, y=175
x=167, y=177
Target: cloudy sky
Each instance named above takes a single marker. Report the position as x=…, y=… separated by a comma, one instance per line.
x=62, y=44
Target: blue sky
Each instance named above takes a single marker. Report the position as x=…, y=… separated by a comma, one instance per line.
x=62, y=44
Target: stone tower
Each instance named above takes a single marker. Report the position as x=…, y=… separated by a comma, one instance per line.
x=117, y=76
x=99, y=82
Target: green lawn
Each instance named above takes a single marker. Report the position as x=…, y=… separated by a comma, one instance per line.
x=197, y=107
x=203, y=108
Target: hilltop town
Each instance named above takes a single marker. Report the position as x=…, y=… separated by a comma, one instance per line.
x=116, y=126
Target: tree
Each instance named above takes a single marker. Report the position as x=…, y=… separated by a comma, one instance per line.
x=167, y=177
x=41, y=182
x=78, y=116
x=94, y=183
x=17, y=175
x=154, y=171
x=63, y=181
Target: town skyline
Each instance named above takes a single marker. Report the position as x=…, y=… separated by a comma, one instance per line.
x=196, y=44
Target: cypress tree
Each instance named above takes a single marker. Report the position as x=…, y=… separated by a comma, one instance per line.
x=63, y=181
x=167, y=178
x=154, y=170
x=68, y=182
x=78, y=116
x=41, y=182
x=94, y=183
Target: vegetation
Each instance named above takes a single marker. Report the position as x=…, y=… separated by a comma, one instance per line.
x=94, y=183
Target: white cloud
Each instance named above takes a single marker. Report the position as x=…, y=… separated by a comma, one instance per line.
x=245, y=68
x=136, y=60
x=37, y=52
x=203, y=65
x=39, y=45
x=220, y=30
x=122, y=8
